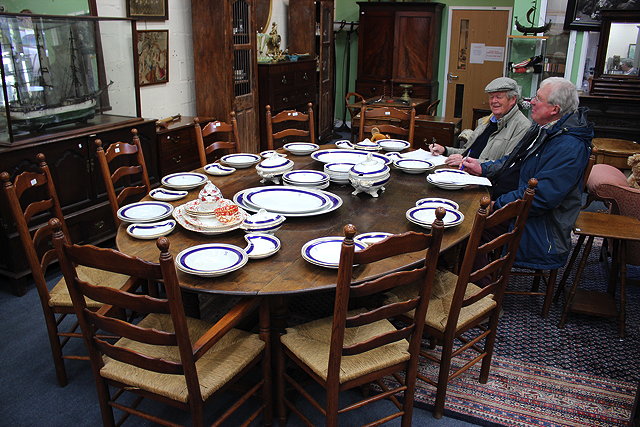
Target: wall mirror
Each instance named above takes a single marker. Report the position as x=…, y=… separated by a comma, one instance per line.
x=617, y=53
x=263, y=15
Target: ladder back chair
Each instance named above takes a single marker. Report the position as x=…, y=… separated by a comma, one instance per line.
x=165, y=356
x=37, y=191
x=457, y=305
x=211, y=133
x=130, y=172
x=356, y=347
x=290, y=123
x=432, y=108
x=396, y=122
x=354, y=111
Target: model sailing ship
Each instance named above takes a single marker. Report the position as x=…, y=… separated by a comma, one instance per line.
x=40, y=96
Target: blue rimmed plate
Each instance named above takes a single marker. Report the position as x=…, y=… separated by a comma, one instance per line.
x=240, y=160
x=261, y=245
x=371, y=237
x=306, y=177
x=393, y=144
x=425, y=215
x=335, y=203
x=325, y=251
x=165, y=195
x=414, y=166
x=300, y=148
x=218, y=169
x=347, y=156
x=287, y=200
x=437, y=201
x=184, y=180
x=151, y=230
x=145, y=211
x=211, y=259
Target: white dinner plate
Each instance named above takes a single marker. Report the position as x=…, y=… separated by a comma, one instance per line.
x=454, y=171
x=300, y=148
x=347, y=156
x=145, y=211
x=184, y=180
x=414, y=166
x=309, y=177
x=218, y=169
x=325, y=251
x=425, y=215
x=393, y=144
x=371, y=237
x=261, y=245
x=335, y=203
x=151, y=230
x=167, y=195
x=287, y=200
x=446, y=186
x=240, y=160
x=211, y=259
x=437, y=201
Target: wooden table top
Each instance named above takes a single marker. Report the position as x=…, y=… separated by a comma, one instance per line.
x=600, y=224
x=286, y=271
x=614, y=145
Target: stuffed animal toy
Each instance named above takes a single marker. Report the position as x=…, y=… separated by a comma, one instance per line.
x=376, y=135
x=634, y=178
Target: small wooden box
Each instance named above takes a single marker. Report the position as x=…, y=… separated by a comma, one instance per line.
x=614, y=152
x=439, y=130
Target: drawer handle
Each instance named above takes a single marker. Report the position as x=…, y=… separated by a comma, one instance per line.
x=306, y=95
x=284, y=80
x=285, y=99
x=305, y=76
x=177, y=159
x=175, y=138
x=374, y=89
x=99, y=225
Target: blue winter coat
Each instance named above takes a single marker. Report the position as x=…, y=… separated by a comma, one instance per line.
x=557, y=160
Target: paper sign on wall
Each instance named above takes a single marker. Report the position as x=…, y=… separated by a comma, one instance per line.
x=477, y=53
x=494, y=53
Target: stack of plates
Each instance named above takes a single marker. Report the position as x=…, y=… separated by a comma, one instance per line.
x=449, y=178
x=414, y=166
x=145, y=212
x=325, y=251
x=300, y=148
x=211, y=259
x=338, y=172
x=240, y=160
x=184, y=180
x=393, y=144
x=204, y=222
x=306, y=178
x=437, y=201
x=151, y=230
x=425, y=215
x=218, y=169
x=288, y=201
x=347, y=156
x=367, y=145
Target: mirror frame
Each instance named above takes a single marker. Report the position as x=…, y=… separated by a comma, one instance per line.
x=609, y=17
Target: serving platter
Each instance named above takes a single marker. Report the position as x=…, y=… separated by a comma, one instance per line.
x=165, y=195
x=335, y=203
x=347, y=156
x=325, y=251
x=151, y=230
x=240, y=160
x=425, y=215
x=145, y=211
x=218, y=169
x=261, y=245
x=204, y=225
x=287, y=200
x=211, y=259
x=184, y=180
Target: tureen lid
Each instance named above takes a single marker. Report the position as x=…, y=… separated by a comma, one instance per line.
x=275, y=162
x=263, y=217
x=369, y=167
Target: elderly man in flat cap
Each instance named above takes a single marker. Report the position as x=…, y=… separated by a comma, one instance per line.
x=496, y=135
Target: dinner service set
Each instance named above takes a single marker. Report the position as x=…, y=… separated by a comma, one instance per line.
x=301, y=148
x=273, y=167
x=346, y=156
x=263, y=222
x=240, y=160
x=425, y=214
x=218, y=169
x=306, y=178
x=448, y=179
x=369, y=176
x=288, y=201
x=325, y=251
x=413, y=166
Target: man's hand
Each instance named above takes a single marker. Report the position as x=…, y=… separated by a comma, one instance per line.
x=454, y=160
x=472, y=166
x=436, y=149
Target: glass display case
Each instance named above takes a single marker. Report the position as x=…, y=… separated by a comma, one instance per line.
x=56, y=74
x=526, y=61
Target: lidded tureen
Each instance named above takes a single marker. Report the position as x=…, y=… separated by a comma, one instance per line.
x=369, y=176
x=272, y=168
x=263, y=222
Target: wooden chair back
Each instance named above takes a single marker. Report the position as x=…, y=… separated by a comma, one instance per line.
x=211, y=133
x=136, y=345
x=432, y=108
x=284, y=119
x=393, y=121
x=129, y=170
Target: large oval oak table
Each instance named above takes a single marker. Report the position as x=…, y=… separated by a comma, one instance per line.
x=287, y=272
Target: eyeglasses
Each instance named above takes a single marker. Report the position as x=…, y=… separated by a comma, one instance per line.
x=538, y=99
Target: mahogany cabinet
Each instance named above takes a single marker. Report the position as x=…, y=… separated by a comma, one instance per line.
x=177, y=149
x=71, y=156
x=439, y=130
x=398, y=44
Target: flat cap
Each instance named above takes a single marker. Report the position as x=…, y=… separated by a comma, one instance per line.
x=501, y=84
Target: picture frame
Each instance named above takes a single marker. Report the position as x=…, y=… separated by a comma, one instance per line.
x=153, y=57
x=584, y=15
x=148, y=10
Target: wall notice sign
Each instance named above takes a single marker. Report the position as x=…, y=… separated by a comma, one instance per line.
x=477, y=53
x=494, y=53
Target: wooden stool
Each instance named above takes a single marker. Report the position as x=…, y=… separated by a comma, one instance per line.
x=614, y=152
x=588, y=226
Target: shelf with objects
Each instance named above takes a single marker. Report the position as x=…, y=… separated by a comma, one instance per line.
x=526, y=62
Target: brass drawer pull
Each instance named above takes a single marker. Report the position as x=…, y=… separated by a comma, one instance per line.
x=177, y=159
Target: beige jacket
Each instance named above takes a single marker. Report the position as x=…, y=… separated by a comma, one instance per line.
x=511, y=128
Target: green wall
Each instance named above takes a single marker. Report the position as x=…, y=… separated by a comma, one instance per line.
x=48, y=7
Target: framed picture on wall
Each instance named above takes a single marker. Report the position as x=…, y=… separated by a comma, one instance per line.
x=584, y=15
x=150, y=10
x=153, y=57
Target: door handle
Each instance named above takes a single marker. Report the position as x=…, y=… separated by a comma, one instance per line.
x=451, y=77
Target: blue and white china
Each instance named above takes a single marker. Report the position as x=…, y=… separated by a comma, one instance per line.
x=151, y=230
x=211, y=259
x=184, y=180
x=437, y=201
x=325, y=251
x=369, y=176
x=425, y=215
x=344, y=143
x=367, y=145
x=414, y=166
x=261, y=245
x=338, y=172
x=394, y=155
x=334, y=203
x=346, y=156
x=371, y=237
x=218, y=169
x=305, y=178
x=263, y=222
x=145, y=211
x=240, y=160
x=272, y=168
x=167, y=195
x=287, y=200
x=301, y=148
x=393, y=144
x=447, y=179
x=453, y=171
x=269, y=153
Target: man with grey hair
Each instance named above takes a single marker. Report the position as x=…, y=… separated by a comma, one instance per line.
x=626, y=65
x=555, y=151
x=496, y=134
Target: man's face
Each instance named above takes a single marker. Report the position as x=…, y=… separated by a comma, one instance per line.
x=500, y=104
x=541, y=111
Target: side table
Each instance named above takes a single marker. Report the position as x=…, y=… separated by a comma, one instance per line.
x=614, y=152
x=620, y=229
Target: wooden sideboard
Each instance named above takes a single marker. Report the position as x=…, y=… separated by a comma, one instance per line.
x=177, y=150
x=71, y=155
x=439, y=130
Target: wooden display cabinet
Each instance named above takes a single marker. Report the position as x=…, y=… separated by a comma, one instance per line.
x=438, y=130
x=177, y=149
